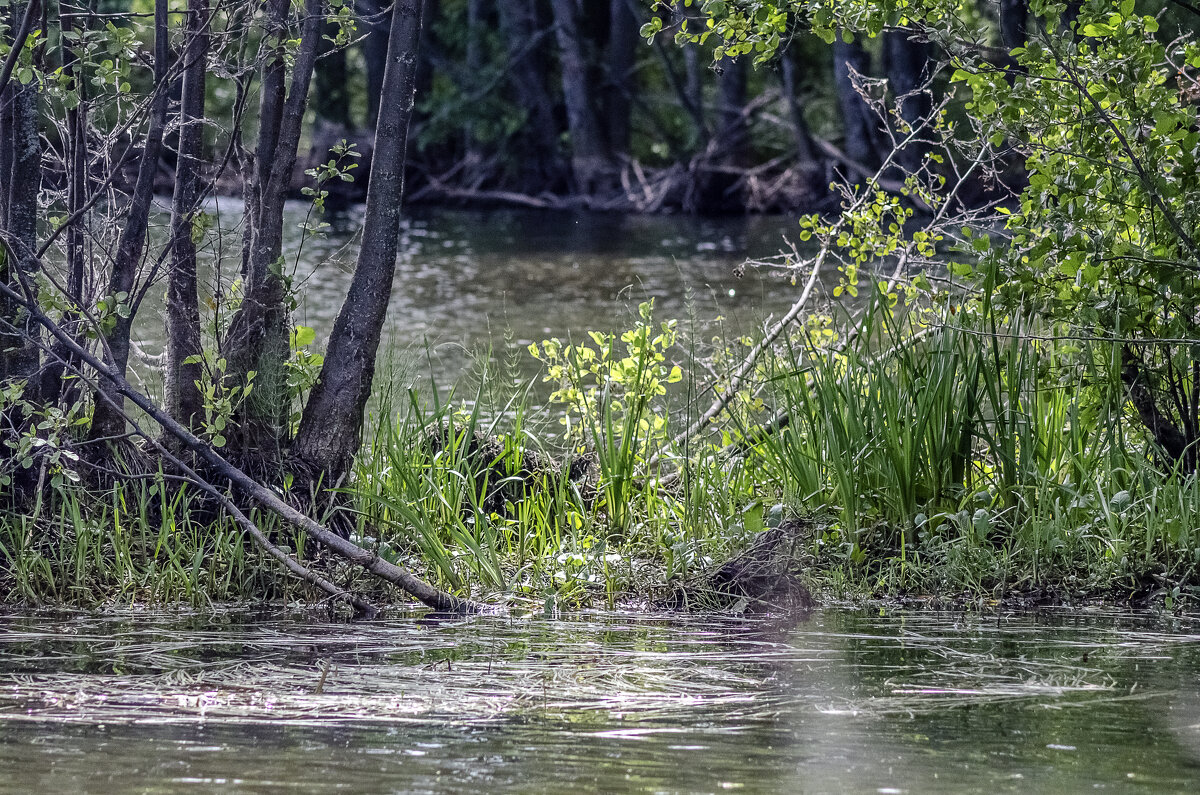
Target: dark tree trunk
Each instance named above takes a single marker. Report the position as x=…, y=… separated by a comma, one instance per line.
x=806, y=150
x=859, y=122
x=20, y=357
x=375, y=49
x=539, y=135
x=591, y=160
x=108, y=418
x=331, y=81
x=475, y=65
x=1014, y=15
x=258, y=334
x=716, y=191
x=620, y=61
x=331, y=426
x=734, y=134
x=908, y=66
x=183, y=313
x=60, y=359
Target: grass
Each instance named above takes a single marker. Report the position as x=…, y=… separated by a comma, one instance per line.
x=965, y=459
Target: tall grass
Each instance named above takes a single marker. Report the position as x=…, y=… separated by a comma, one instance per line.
x=965, y=455
x=973, y=456
x=136, y=543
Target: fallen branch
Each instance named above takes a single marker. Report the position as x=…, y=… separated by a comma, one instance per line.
x=371, y=562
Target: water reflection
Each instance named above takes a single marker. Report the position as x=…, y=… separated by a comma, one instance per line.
x=843, y=701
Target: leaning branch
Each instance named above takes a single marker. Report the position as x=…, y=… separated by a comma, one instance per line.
x=371, y=562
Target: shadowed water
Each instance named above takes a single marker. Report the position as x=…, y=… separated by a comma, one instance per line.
x=840, y=702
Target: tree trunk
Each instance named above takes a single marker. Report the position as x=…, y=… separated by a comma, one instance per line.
x=258, y=334
x=108, y=417
x=859, y=122
x=730, y=148
x=591, y=160
x=75, y=164
x=734, y=135
x=475, y=65
x=620, y=61
x=806, y=149
x=183, y=313
x=331, y=426
x=1014, y=15
x=20, y=357
x=907, y=64
x=331, y=83
x=375, y=49
x=539, y=135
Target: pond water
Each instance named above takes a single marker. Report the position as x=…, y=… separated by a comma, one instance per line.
x=470, y=281
x=839, y=701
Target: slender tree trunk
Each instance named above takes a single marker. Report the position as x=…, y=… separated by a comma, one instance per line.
x=20, y=358
x=20, y=355
x=375, y=49
x=331, y=426
x=475, y=65
x=108, y=418
x=1014, y=16
x=806, y=150
x=859, y=122
x=258, y=335
x=591, y=160
x=907, y=63
x=694, y=88
x=734, y=134
x=539, y=135
x=331, y=82
x=620, y=60
x=183, y=312
x=730, y=146
x=52, y=388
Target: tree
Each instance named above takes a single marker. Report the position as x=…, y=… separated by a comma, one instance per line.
x=591, y=158
x=331, y=426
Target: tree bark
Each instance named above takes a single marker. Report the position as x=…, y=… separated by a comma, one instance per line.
x=183, y=312
x=375, y=49
x=258, y=334
x=591, y=159
x=806, y=149
x=53, y=390
x=331, y=425
x=859, y=122
x=907, y=65
x=539, y=135
x=730, y=146
x=20, y=357
x=620, y=61
x=108, y=418
x=1014, y=16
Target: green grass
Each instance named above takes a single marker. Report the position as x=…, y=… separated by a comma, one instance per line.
x=965, y=460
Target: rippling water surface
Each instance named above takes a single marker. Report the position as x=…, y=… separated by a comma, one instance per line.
x=841, y=701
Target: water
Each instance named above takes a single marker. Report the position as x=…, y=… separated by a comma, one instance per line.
x=469, y=282
x=842, y=701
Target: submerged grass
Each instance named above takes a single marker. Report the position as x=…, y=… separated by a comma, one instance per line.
x=960, y=459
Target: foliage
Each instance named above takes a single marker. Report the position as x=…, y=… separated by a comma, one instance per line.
x=613, y=402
